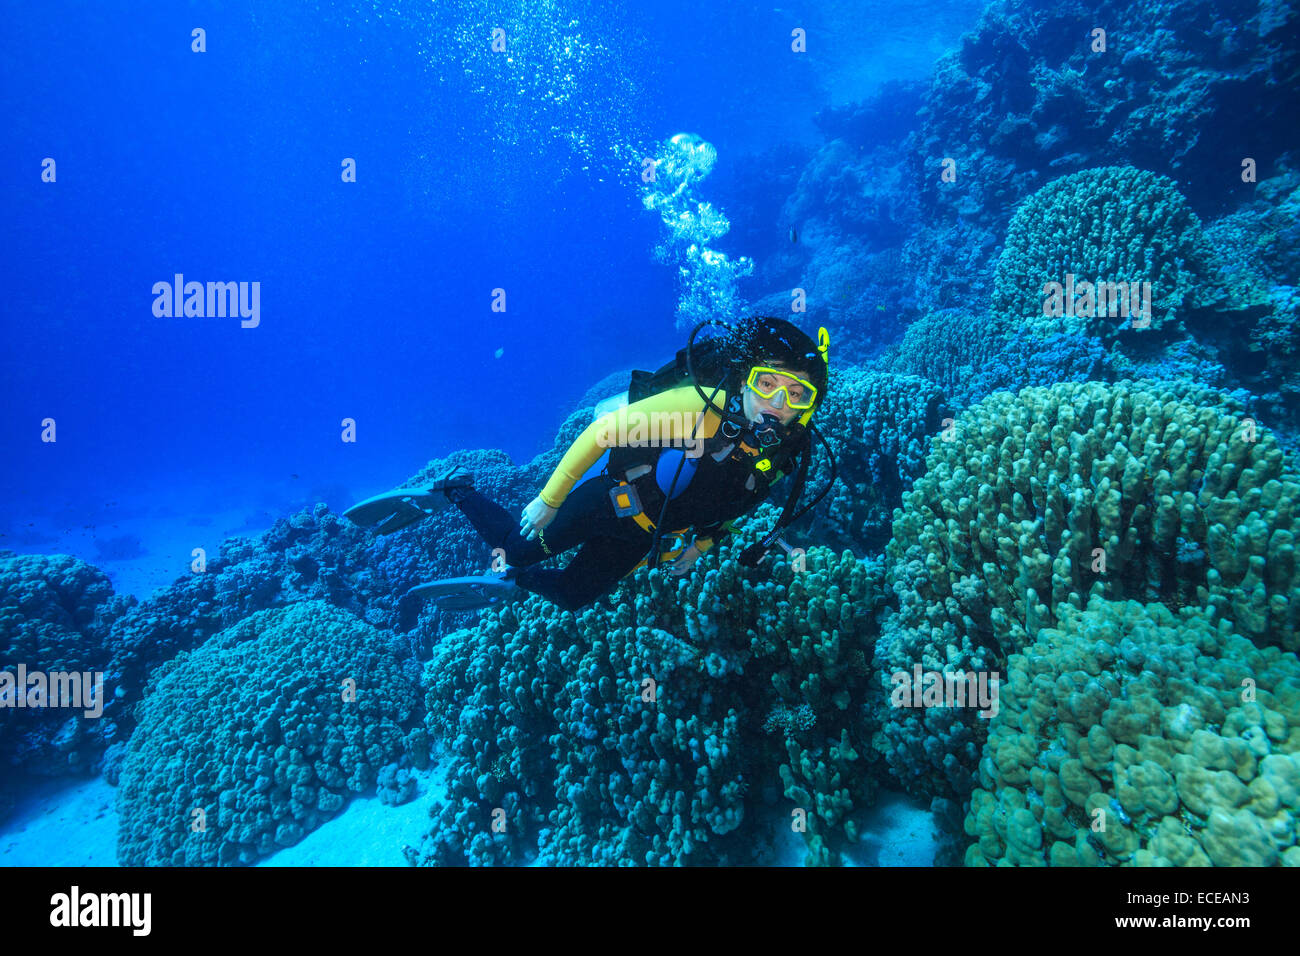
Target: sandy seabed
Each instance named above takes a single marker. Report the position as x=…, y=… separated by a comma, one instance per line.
x=58, y=824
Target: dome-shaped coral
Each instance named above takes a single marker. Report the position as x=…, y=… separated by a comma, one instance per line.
x=1128, y=233
x=1131, y=734
x=1042, y=499
x=258, y=736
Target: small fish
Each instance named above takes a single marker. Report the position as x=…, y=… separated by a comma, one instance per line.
x=880, y=308
x=294, y=477
x=500, y=352
x=794, y=235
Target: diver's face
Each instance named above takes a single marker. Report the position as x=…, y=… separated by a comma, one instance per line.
x=756, y=406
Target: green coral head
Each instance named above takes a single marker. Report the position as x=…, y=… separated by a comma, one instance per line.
x=1110, y=252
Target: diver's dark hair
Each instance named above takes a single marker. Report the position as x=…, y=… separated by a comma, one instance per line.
x=763, y=338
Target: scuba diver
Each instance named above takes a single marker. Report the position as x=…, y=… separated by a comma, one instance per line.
x=716, y=457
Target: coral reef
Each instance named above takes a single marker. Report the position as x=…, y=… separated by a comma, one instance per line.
x=1122, y=249
x=848, y=214
x=1047, y=99
x=972, y=354
x=1258, y=249
x=312, y=555
x=1129, y=734
x=879, y=425
x=886, y=118
x=843, y=192
x=945, y=265
x=61, y=614
x=267, y=729
x=1120, y=553
x=1043, y=499
x=55, y=616
x=633, y=734
x=1030, y=95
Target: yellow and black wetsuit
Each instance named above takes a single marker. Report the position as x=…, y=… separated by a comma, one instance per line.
x=721, y=484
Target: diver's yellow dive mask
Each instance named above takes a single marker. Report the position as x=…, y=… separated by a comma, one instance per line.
x=766, y=381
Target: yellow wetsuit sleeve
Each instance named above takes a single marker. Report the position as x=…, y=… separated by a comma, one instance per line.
x=670, y=415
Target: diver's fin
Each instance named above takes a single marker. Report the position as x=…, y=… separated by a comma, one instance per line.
x=466, y=594
x=395, y=510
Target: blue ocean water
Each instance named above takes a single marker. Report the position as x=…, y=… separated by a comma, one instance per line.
x=376, y=296
x=440, y=225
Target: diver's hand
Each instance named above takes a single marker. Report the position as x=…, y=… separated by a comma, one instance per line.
x=685, y=560
x=535, y=517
